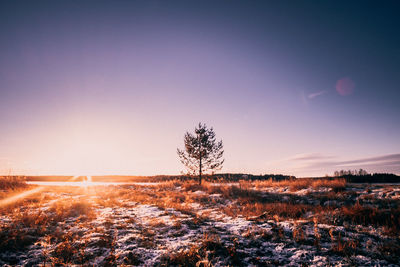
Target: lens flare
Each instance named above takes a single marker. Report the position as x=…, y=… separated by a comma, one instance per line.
x=20, y=196
x=86, y=183
x=345, y=86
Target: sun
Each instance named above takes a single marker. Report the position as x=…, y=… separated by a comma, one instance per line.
x=87, y=181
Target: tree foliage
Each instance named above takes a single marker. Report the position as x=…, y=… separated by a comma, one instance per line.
x=202, y=151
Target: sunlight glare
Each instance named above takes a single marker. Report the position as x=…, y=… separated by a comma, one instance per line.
x=22, y=195
x=87, y=182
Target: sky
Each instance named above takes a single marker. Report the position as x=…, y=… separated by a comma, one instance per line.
x=110, y=87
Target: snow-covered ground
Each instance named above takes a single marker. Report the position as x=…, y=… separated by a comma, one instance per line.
x=173, y=224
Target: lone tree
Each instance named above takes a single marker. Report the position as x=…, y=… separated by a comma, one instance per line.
x=202, y=152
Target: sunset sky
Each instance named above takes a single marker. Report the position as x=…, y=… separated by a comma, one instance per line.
x=110, y=87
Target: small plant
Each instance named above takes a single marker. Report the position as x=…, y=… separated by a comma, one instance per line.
x=65, y=251
x=346, y=247
x=298, y=233
x=317, y=235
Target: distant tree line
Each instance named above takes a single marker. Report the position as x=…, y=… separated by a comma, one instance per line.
x=342, y=173
x=362, y=176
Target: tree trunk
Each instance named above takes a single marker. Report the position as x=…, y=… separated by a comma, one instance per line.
x=200, y=160
x=200, y=172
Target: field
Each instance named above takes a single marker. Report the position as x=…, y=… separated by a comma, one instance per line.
x=260, y=223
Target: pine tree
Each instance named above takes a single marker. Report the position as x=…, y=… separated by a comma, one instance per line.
x=202, y=152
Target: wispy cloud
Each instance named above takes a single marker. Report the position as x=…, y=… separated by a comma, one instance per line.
x=316, y=94
x=307, y=98
x=315, y=162
x=310, y=156
x=380, y=159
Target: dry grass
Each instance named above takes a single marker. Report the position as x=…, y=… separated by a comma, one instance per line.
x=337, y=184
x=203, y=254
x=267, y=211
x=298, y=233
x=345, y=247
x=12, y=182
x=65, y=252
x=77, y=207
x=247, y=201
x=30, y=222
x=25, y=230
x=358, y=214
x=32, y=201
x=72, y=208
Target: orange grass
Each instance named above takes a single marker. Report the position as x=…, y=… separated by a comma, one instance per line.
x=336, y=184
x=12, y=182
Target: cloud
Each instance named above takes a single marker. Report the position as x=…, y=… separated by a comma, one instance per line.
x=316, y=94
x=384, y=158
x=383, y=163
x=309, y=156
x=307, y=97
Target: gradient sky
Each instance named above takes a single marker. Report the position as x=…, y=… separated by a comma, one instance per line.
x=293, y=87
